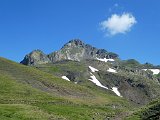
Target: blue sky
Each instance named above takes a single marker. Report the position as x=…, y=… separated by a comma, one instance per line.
x=26, y=25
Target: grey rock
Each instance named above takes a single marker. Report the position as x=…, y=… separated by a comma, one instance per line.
x=35, y=57
x=74, y=50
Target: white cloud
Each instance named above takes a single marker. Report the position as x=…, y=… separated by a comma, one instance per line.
x=118, y=23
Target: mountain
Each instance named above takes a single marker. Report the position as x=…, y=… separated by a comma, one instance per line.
x=132, y=79
x=74, y=50
x=78, y=82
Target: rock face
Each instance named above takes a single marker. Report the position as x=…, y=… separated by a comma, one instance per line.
x=74, y=50
x=35, y=57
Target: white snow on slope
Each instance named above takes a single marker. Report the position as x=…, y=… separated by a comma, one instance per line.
x=94, y=80
x=93, y=69
x=112, y=70
x=105, y=60
x=65, y=78
x=155, y=71
x=115, y=90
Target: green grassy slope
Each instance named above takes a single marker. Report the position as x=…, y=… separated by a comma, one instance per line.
x=28, y=93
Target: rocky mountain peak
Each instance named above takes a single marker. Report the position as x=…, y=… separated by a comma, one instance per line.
x=75, y=50
x=74, y=43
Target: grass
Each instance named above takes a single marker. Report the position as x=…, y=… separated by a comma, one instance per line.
x=62, y=67
x=24, y=112
x=79, y=112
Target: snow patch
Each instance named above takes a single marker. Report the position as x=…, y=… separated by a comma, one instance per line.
x=105, y=60
x=93, y=69
x=115, y=90
x=155, y=71
x=94, y=80
x=112, y=70
x=65, y=78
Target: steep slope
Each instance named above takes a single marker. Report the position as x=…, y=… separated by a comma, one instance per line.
x=77, y=50
x=28, y=93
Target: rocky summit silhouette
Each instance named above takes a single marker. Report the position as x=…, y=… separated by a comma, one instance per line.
x=75, y=50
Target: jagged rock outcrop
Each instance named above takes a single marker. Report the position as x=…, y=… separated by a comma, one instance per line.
x=74, y=50
x=35, y=57
x=77, y=50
